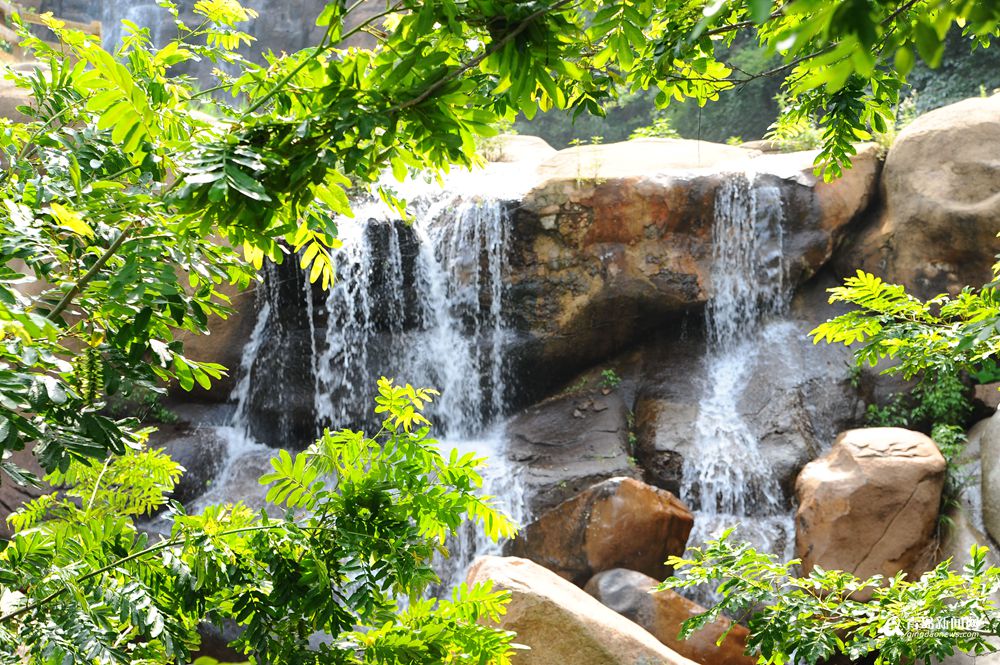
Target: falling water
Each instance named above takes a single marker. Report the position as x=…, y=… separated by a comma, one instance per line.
x=421, y=303
x=728, y=481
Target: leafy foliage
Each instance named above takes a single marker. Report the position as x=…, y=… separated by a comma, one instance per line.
x=812, y=618
x=364, y=517
x=941, y=335
x=132, y=197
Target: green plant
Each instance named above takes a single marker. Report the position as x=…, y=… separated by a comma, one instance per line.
x=659, y=129
x=794, y=129
x=610, y=379
x=735, y=140
x=813, y=618
x=352, y=526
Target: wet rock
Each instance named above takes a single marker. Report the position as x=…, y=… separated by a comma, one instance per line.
x=561, y=624
x=794, y=397
x=662, y=613
x=616, y=239
x=566, y=444
x=870, y=505
x=936, y=227
x=618, y=523
x=201, y=450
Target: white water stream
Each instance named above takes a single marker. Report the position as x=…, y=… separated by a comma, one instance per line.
x=729, y=482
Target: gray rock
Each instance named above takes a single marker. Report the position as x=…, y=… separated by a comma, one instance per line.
x=990, y=455
x=200, y=450
x=566, y=444
x=798, y=398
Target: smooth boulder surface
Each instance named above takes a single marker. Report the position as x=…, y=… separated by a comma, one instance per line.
x=562, y=624
x=618, y=523
x=662, y=613
x=617, y=238
x=936, y=226
x=870, y=505
x=201, y=450
x=989, y=443
x=566, y=444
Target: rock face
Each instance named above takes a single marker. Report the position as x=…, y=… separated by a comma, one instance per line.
x=200, y=450
x=617, y=238
x=798, y=398
x=870, y=505
x=662, y=613
x=936, y=228
x=989, y=443
x=564, y=625
x=618, y=523
x=10, y=98
x=566, y=444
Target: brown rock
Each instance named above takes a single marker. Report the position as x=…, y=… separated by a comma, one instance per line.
x=10, y=98
x=662, y=613
x=519, y=148
x=616, y=239
x=936, y=229
x=619, y=523
x=563, y=625
x=870, y=505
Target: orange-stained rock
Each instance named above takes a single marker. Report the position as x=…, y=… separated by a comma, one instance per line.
x=662, y=613
x=618, y=523
x=615, y=239
x=870, y=505
x=563, y=625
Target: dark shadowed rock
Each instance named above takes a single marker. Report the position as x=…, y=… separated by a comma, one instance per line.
x=201, y=450
x=618, y=523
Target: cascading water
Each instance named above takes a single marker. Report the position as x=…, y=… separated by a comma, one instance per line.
x=421, y=303
x=729, y=482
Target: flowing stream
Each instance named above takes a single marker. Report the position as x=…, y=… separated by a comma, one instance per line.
x=728, y=482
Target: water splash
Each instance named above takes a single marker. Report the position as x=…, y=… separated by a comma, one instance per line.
x=729, y=482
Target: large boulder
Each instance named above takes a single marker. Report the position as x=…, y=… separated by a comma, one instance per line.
x=870, y=505
x=619, y=523
x=562, y=624
x=567, y=443
x=12, y=97
x=662, y=613
x=989, y=443
x=617, y=238
x=936, y=228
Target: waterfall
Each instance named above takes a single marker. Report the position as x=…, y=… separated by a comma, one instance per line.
x=728, y=482
x=420, y=303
